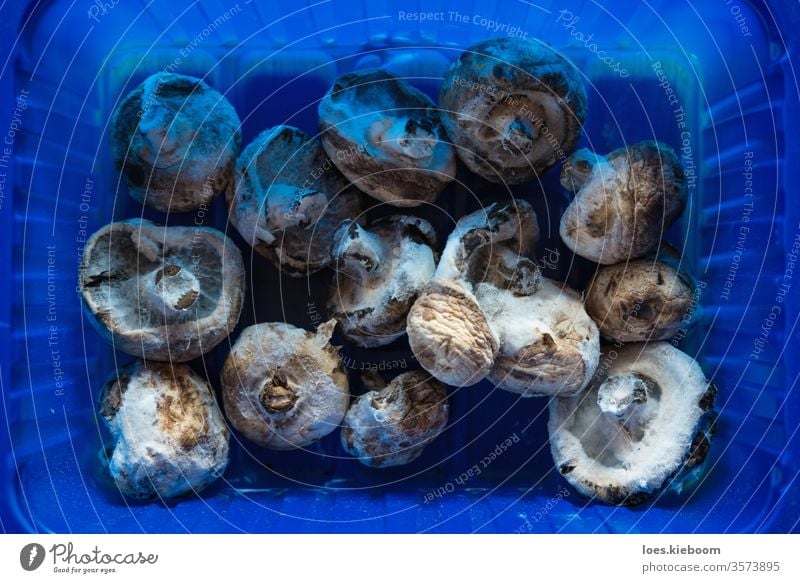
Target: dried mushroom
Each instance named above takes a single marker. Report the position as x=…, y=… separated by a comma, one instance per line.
x=489, y=312
x=450, y=336
x=390, y=426
x=169, y=435
x=287, y=199
x=513, y=107
x=162, y=293
x=175, y=139
x=386, y=137
x=447, y=329
x=624, y=201
x=644, y=424
x=283, y=387
x=380, y=272
x=642, y=300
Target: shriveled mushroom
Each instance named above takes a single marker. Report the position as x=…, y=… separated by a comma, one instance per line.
x=169, y=435
x=386, y=137
x=447, y=329
x=390, y=426
x=283, y=387
x=175, y=139
x=489, y=312
x=380, y=272
x=162, y=293
x=287, y=198
x=513, y=107
x=624, y=201
x=449, y=334
x=644, y=424
x=642, y=300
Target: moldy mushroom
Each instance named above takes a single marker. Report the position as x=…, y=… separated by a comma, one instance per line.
x=548, y=343
x=386, y=137
x=169, y=435
x=624, y=201
x=644, y=424
x=642, y=300
x=380, y=272
x=489, y=312
x=513, y=107
x=287, y=199
x=390, y=426
x=283, y=387
x=162, y=293
x=447, y=329
x=175, y=139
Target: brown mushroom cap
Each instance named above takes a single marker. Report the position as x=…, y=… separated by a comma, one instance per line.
x=162, y=293
x=170, y=436
x=644, y=424
x=391, y=426
x=449, y=334
x=641, y=300
x=380, y=272
x=175, y=139
x=283, y=387
x=513, y=107
x=386, y=137
x=287, y=199
x=624, y=201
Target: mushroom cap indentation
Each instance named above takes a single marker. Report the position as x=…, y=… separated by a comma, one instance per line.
x=619, y=391
x=176, y=287
x=277, y=396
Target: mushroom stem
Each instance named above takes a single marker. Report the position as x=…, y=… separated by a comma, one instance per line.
x=472, y=233
x=277, y=396
x=519, y=136
x=177, y=289
x=357, y=253
x=512, y=226
x=325, y=331
x=624, y=400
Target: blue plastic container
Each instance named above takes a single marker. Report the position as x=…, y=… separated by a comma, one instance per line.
x=713, y=79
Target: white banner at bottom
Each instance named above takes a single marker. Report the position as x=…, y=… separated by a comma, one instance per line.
x=387, y=558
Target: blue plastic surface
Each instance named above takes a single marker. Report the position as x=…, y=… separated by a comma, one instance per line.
x=731, y=72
